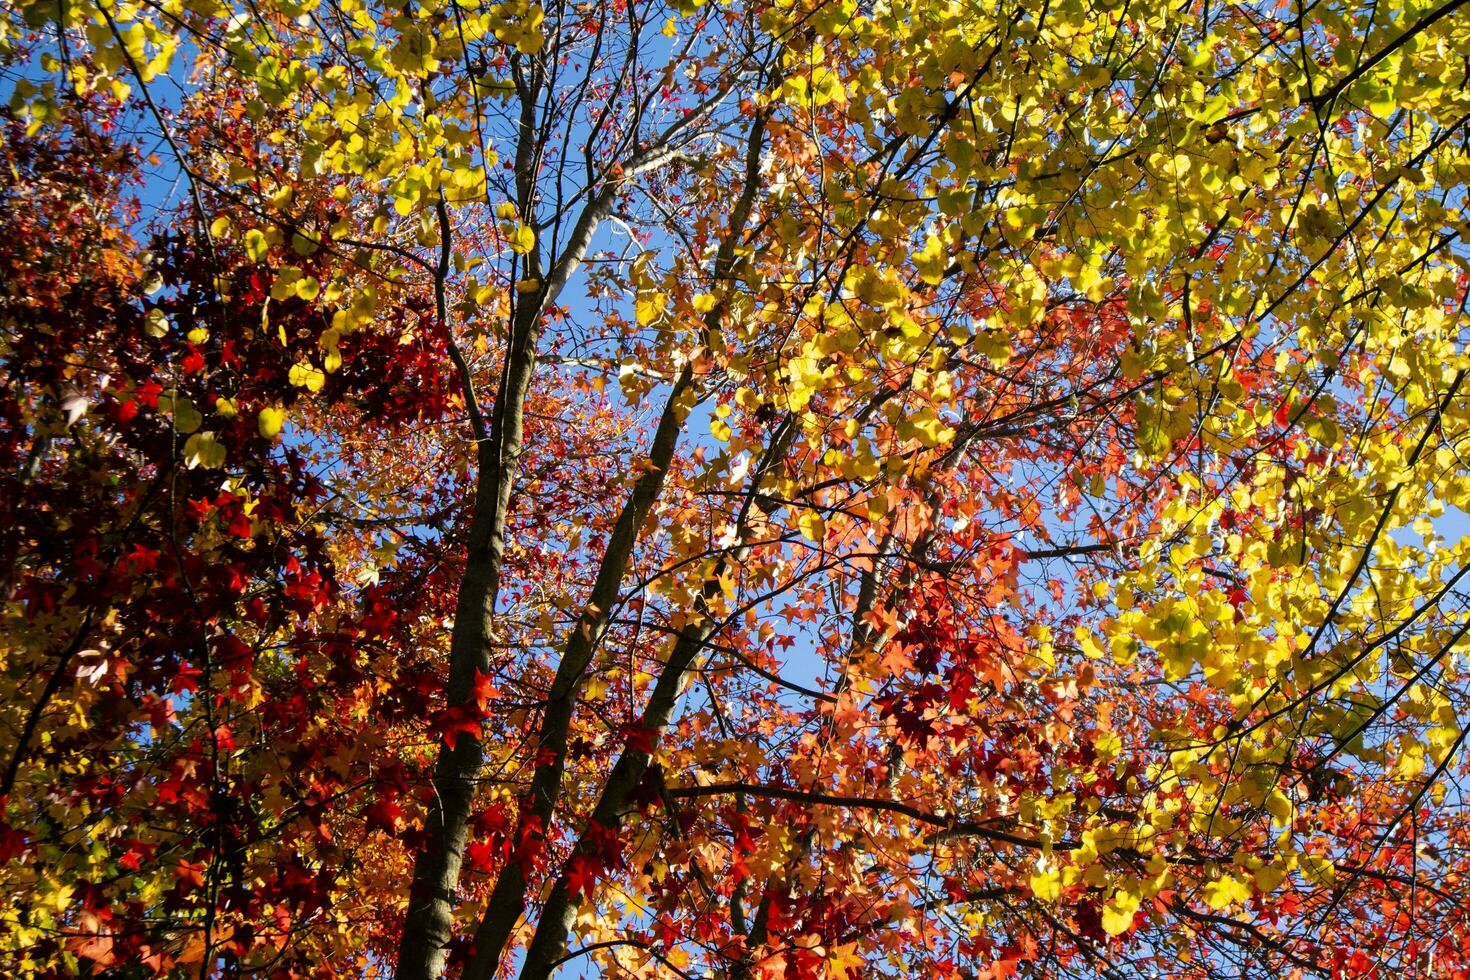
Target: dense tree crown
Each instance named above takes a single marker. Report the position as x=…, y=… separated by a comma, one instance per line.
x=734, y=489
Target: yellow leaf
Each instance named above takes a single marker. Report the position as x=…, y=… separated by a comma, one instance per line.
x=877, y=506
x=1225, y=891
x=1090, y=648
x=1117, y=914
x=845, y=960
x=186, y=417
x=1318, y=870
x=522, y=240
x=202, y=449
x=1269, y=877
x=61, y=896
x=270, y=421
x=255, y=244
x=304, y=375
x=1280, y=808
x=155, y=324
x=649, y=306
x=1047, y=885
x=811, y=525
x=302, y=244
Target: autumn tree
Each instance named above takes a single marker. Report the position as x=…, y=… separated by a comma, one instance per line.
x=798, y=489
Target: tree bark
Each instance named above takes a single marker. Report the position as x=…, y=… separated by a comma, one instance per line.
x=508, y=899
x=548, y=945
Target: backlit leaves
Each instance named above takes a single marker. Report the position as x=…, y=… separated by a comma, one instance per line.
x=1024, y=530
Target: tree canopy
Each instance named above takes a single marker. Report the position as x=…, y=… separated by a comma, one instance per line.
x=751, y=489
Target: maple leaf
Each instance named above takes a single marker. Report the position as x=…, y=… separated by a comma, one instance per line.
x=384, y=814
x=483, y=691
x=450, y=723
x=1094, y=441
x=583, y=873
x=483, y=856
